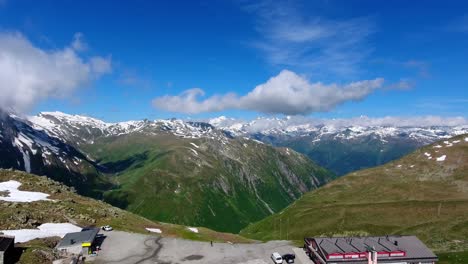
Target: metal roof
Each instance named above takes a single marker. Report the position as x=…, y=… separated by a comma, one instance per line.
x=72, y=239
x=5, y=242
x=411, y=245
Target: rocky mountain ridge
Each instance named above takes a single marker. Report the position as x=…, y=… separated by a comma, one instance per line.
x=343, y=146
x=219, y=181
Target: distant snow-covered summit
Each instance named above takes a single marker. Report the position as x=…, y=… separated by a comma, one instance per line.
x=427, y=129
x=78, y=128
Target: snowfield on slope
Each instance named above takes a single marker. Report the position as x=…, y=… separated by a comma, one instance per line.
x=193, y=229
x=154, y=230
x=44, y=230
x=15, y=195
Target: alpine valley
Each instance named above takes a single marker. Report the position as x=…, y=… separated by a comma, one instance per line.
x=345, y=145
x=165, y=170
x=220, y=174
x=424, y=193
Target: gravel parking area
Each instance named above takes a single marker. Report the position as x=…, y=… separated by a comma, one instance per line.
x=122, y=247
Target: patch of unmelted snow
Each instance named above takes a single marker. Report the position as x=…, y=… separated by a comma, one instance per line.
x=194, y=151
x=15, y=195
x=412, y=166
x=154, y=230
x=427, y=154
x=27, y=163
x=193, y=229
x=441, y=158
x=437, y=146
x=28, y=142
x=258, y=141
x=44, y=230
x=195, y=145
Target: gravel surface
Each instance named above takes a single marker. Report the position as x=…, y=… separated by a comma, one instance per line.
x=122, y=247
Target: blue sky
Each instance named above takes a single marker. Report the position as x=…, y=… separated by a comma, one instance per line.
x=144, y=59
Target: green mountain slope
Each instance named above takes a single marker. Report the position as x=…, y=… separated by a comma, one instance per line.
x=343, y=156
x=223, y=184
x=67, y=206
x=424, y=193
x=174, y=171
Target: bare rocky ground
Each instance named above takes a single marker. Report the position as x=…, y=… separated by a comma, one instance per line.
x=123, y=247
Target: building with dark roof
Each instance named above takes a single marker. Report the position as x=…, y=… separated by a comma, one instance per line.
x=7, y=244
x=78, y=242
x=358, y=250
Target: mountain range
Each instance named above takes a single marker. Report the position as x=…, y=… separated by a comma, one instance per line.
x=342, y=146
x=151, y=167
x=239, y=179
x=222, y=174
x=424, y=193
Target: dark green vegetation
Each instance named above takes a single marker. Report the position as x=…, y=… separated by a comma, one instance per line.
x=412, y=195
x=342, y=156
x=71, y=207
x=168, y=170
x=221, y=183
x=453, y=258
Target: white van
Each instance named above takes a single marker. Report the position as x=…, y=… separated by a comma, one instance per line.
x=276, y=257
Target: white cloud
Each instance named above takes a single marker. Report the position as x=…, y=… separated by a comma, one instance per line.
x=100, y=65
x=287, y=93
x=290, y=36
x=29, y=74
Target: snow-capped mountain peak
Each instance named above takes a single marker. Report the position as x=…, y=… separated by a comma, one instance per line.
x=340, y=128
x=84, y=129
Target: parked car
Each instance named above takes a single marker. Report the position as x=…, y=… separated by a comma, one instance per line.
x=276, y=257
x=289, y=258
x=107, y=228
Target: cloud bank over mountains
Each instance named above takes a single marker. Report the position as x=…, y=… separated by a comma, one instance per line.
x=287, y=93
x=29, y=74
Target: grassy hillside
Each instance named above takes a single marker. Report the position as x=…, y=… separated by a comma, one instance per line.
x=67, y=206
x=221, y=184
x=412, y=195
